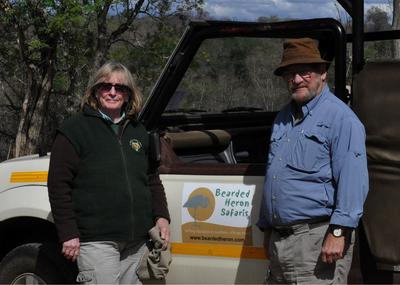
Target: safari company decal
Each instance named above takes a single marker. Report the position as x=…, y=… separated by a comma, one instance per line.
x=135, y=144
x=217, y=213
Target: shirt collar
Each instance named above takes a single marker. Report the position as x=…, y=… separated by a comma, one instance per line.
x=107, y=118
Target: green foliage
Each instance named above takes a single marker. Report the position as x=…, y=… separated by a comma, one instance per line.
x=234, y=72
x=147, y=60
x=36, y=44
x=57, y=45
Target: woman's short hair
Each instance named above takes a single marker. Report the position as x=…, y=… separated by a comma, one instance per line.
x=132, y=107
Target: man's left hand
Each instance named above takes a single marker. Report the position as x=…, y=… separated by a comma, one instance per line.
x=332, y=248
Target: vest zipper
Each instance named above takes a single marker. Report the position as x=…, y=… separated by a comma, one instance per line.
x=128, y=182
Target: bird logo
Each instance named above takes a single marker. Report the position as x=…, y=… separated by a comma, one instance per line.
x=200, y=204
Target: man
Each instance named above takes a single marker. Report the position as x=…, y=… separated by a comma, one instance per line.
x=316, y=180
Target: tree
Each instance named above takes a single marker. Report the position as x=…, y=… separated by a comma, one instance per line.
x=377, y=19
x=49, y=47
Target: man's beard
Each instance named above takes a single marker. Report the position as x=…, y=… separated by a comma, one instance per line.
x=304, y=97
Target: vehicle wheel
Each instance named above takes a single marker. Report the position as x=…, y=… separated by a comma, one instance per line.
x=32, y=263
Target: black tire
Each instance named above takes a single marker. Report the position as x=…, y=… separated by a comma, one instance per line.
x=35, y=263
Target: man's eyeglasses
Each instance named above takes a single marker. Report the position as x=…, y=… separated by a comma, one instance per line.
x=289, y=75
x=119, y=88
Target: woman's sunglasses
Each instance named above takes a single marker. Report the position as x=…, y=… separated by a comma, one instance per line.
x=119, y=88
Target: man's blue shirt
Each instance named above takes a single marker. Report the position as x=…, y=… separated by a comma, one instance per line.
x=316, y=167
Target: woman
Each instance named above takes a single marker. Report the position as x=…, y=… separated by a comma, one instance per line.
x=104, y=193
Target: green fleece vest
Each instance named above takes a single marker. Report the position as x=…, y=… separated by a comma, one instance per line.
x=110, y=194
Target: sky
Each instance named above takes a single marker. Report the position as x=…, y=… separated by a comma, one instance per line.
x=248, y=10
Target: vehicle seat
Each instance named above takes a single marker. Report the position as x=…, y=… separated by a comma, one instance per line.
x=168, y=156
x=202, y=146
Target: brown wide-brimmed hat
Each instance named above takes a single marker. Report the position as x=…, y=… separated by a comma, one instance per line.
x=299, y=51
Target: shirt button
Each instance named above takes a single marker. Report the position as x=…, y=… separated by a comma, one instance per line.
x=280, y=158
x=274, y=177
x=302, y=131
x=273, y=198
x=288, y=140
x=274, y=216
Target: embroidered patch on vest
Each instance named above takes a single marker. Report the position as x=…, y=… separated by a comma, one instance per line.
x=135, y=144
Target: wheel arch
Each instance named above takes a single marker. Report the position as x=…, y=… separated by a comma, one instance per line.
x=21, y=230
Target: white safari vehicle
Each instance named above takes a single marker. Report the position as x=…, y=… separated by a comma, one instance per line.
x=210, y=135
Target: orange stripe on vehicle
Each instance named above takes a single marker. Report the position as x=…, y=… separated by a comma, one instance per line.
x=235, y=251
x=28, y=176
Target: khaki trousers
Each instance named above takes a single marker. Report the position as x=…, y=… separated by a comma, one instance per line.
x=295, y=258
x=108, y=262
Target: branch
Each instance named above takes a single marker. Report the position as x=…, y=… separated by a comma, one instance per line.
x=12, y=105
x=161, y=18
x=138, y=45
x=151, y=16
x=102, y=18
x=21, y=42
x=131, y=16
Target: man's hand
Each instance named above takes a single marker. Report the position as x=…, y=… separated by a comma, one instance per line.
x=332, y=248
x=163, y=225
x=70, y=249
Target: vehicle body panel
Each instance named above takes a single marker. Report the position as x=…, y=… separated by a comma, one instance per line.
x=212, y=260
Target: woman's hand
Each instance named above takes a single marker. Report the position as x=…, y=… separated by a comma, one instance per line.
x=163, y=225
x=70, y=249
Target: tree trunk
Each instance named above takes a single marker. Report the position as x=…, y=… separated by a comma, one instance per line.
x=33, y=114
x=396, y=26
x=20, y=139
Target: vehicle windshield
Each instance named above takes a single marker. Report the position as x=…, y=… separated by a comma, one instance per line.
x=232, y=75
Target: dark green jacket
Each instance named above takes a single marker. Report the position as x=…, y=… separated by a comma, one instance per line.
x=110, y=193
